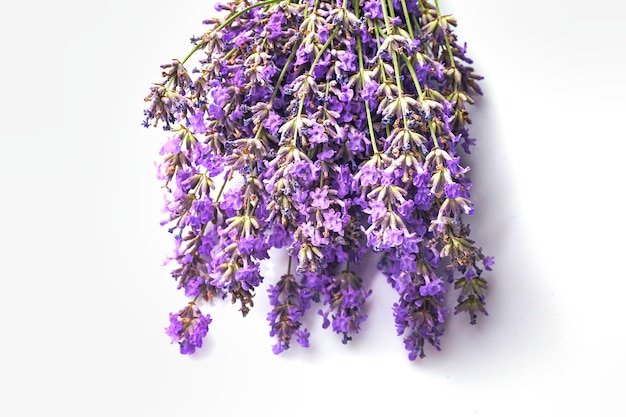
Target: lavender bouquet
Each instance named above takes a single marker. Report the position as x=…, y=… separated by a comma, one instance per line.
x=332, y=129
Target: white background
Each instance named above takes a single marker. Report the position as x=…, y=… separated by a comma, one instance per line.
x=84, y=297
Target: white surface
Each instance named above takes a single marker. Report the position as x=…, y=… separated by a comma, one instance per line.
x=85, y=301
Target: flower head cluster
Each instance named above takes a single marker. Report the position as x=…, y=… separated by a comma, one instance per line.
x=188, y=327
x=331, y=128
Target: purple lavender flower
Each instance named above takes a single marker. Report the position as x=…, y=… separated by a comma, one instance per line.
x=319, y=198
x=290, y=299
x=188, y=327
x=344, y=298
x=332, y=130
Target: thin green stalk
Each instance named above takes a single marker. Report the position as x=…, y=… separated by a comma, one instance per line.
x=278, y=82
x=324, y=47
x=392, y=11
x=368, y=112
x=379, y=34
x=407, y=18
x=445, y=37
x=230, y=53
x=417, y=25
x=284, y=71
x=383, y=76
x=383, y=5
x=325, y=101
x=313, y=64
x=228, y=178
x=420, y=94
x=394, y=54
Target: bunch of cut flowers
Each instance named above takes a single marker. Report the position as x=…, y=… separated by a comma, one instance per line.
x=332, y=129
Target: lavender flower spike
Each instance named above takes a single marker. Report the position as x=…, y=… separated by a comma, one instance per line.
x=188, y=327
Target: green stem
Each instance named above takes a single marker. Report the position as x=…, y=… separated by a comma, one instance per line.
x=230, y=53
x=368, y=112
x=219, y=194
x=278, y=82
x=420, y=94
x=383, y=5
x=383, y=76
x=407, y=19
x=394, y=54
x=379, y=34
x=284, y=71
x=325, y=101
x=445, y=37
x=310, y=72
x=324, y=47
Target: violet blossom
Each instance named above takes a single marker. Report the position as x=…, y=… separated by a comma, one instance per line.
x=335, y=130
